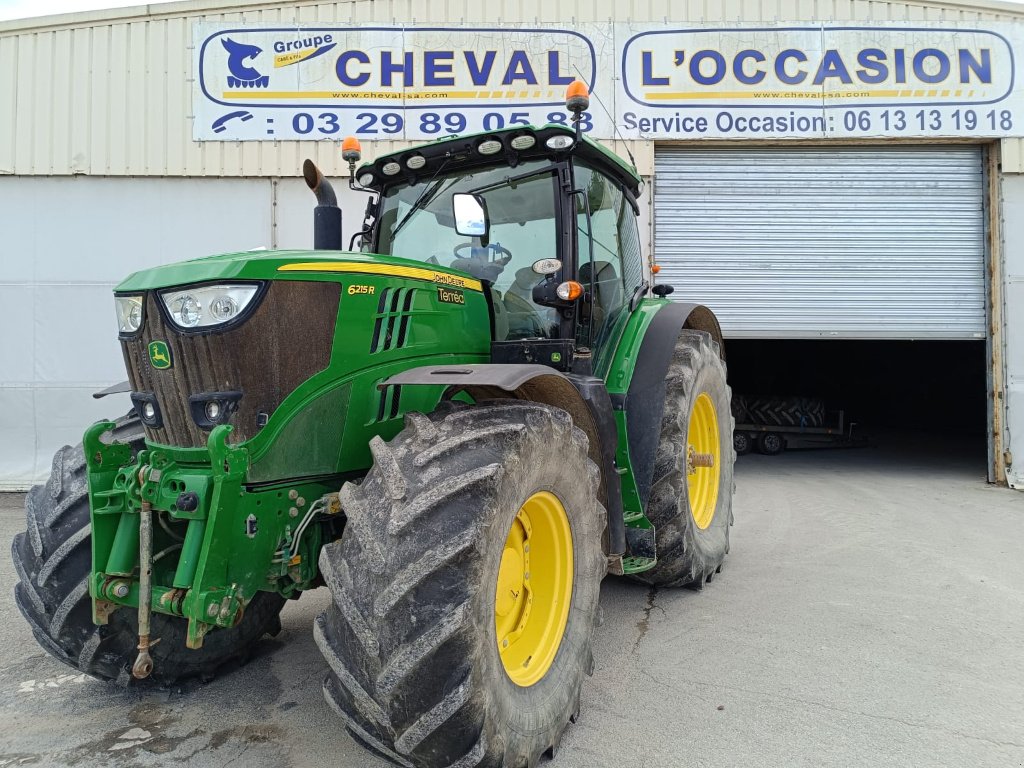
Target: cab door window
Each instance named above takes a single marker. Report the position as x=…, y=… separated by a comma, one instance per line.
x=616, y=270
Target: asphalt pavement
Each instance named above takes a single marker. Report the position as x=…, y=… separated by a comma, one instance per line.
x=871, y=613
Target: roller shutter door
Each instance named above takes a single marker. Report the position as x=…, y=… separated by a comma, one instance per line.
x=843, y=242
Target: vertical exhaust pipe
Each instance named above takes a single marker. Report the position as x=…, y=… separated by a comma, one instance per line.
x=326, y=214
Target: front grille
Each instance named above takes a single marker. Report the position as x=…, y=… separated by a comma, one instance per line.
x=287, y=339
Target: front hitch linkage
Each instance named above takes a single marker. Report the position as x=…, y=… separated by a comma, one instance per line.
x=143, y=666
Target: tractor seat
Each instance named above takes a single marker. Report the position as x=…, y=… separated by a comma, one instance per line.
x=524, y=319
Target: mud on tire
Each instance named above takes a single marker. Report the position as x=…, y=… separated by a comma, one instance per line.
x=688, y=554
x=53, y=561
x=410, y=636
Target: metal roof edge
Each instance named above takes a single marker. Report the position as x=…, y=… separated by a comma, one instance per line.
x=133, y=12
x=997, y=6
x=193, y=7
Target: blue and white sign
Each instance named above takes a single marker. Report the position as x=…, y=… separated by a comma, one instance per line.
x=817, y=82
x=387, y=82
x=649, y=81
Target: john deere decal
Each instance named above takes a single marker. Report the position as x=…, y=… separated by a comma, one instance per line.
x=159, y=355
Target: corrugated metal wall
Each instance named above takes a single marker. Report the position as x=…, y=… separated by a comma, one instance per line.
x=110, y=93
x=830, y=242
x=1012, y=351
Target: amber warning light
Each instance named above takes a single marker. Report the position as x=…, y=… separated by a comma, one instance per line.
x=351, y=151
x=570, y=290
x=577, y=97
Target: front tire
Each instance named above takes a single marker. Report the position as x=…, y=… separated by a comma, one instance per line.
x=53, y=562
x=691, y=497
x=432, y=576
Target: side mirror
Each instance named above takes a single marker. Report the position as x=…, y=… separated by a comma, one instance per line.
x=470, y=215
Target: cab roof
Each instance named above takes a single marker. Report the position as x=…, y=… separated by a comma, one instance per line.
x=464, y=151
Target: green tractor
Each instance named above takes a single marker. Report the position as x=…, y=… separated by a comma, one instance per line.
x=458, y=428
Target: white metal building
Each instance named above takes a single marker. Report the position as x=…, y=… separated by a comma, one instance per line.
x=831, y=225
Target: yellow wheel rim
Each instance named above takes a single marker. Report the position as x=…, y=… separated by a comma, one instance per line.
x=534, y=591
x=703, y=460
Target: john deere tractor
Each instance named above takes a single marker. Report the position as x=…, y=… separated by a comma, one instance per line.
x=458, y=428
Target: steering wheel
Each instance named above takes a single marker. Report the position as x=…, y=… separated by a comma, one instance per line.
x=496, y=248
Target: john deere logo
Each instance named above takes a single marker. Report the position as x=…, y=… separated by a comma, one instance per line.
x=159, y=354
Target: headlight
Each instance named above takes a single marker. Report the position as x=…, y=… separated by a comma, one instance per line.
x=207, y=305
x=489, y=147
x=523, y=141
x=129, y=313
x=560, y=141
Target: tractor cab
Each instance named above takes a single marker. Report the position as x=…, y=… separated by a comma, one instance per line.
x=545, y=218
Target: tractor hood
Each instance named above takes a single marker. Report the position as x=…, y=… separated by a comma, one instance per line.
x=311, y=336
x=267, y=265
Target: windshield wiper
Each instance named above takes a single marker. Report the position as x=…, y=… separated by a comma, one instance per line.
x=511, y=181
x=420, y=199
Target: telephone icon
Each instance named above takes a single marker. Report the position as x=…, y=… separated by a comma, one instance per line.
x=220, y=124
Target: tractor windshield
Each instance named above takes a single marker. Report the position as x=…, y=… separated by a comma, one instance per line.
x=416, y=222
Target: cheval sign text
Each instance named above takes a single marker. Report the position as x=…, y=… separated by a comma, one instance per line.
x=649, y=81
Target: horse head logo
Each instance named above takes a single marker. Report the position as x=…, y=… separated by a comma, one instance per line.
x=242, y=75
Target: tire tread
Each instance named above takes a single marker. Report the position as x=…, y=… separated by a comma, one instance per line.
x=687, y=555
x=401, y=635
x=53, y=561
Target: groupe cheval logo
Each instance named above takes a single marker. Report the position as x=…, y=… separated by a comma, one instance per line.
x=244, y=70
x=272, y=67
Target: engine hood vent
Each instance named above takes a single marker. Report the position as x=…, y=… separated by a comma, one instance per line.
x=394, y=316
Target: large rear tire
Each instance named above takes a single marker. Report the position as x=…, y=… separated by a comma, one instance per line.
x=786, y=411
x=433, y=575
x=691, y=502
x=53, y=561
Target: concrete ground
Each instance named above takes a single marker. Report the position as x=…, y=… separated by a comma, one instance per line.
x=871, y=614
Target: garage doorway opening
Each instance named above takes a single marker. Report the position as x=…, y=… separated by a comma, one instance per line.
x=922, y=397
